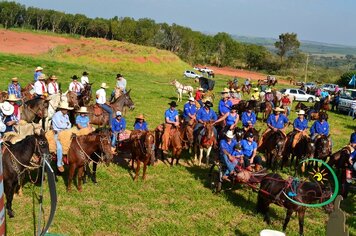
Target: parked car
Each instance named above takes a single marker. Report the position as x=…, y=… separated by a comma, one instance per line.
x=346, y=99
x=329, y=87
x=310, y=85
x=299, y=95
x=191, y=74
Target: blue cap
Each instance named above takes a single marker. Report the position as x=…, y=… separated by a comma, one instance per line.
x=353, y=138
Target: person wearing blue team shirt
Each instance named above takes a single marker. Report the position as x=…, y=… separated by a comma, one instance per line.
x=249, y=150
x=82, y=120
x=231, y=119
x=320, y=126
x=171, y=120
x=140, y=123
x=189, y=110
x=300, y=126
x=205, y=114
x=118, y=125
x=352, y=159
x=225, y=104
x=248, y=118
x=227, y=145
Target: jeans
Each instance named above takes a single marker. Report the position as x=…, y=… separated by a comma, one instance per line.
x=59, y=151
x=229, y=164
x=108, y=110
x=257, y=160
x=114, y=139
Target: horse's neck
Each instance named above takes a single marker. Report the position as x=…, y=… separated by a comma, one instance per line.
x=23, y=151
x=89, y=143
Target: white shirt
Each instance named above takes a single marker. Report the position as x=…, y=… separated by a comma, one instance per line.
x=84, y=80
x=75, y=87
x=101, y=96
x=121, y=83
x=53, y=88
x=40, y=87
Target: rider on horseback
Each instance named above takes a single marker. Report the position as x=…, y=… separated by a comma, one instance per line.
x=205, y=114
x=225, y=104
x=190, y=111
x=300, y=126
x=171, y=120
x=101, y=100
x=320, y=127
x=84, y=79
x=118, y=126
x=269, y=97
x=76, y=86
x=40, y=87
x=275, y=122
x=140, y=123
x=248, y=118
x=53, y=87
x=82, y=120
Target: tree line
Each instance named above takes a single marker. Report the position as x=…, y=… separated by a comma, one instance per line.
x=191, y=46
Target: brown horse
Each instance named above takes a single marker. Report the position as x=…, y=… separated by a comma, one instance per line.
x=273, y=147
x=81, y=148
x=322, y=147
x=3, y=96
x=205, y=141
x=187, y=134
x=34, y=110
x=86, y=95
x=17, y=159
x=232, y=85
x=25, y=92
x=274, y=188
x=175, y=142
x=72, y=99
x=246, y=89
x=142, y=143
x=102, y=117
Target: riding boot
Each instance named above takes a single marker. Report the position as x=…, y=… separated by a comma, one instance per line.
x=93, y=178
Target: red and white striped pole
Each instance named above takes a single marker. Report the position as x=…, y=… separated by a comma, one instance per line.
x=2, y=200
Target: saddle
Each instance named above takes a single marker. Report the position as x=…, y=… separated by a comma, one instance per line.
x=98, y=111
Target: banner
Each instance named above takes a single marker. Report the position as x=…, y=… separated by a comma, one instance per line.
x=353, y=80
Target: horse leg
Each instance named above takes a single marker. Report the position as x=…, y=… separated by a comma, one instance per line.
x=93, y=176
x=9, y=192
x=195, y=147
x=286, y=220
x=301, y=214
x=144, y=170
x=208, y=155
x=80, y=176
x=201, y=149
x=137, y=169
x=72, y=168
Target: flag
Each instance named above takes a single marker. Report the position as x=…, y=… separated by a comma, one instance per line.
x=353, y=80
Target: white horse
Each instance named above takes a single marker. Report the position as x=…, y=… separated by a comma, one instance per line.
x=182, y=89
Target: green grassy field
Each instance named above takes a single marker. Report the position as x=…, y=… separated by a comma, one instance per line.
x=174, y=200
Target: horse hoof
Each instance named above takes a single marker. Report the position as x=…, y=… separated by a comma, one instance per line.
x=10, y=213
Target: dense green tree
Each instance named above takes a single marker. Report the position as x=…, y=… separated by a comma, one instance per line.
x=345, y=78
x=10, y=13
x=288, y=42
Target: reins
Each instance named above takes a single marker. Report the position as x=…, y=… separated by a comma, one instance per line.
x=81, y=148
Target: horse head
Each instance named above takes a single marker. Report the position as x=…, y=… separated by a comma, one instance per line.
x=322, y=146
x=310, y=147
x=209, y=129
x=239, y=133
x=105, y=145
x=280, y=140
x=149, y=144
x=42, y=146
x=128, y=101
x=72, y=99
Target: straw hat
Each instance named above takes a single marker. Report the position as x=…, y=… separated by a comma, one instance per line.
x=301, y=112
x=64, y=105
x=53, y=77
x=7, y=108
x=278, y=109
x=12, y=98
x=285, y=95
x=140, y=117
x=238, y=90
x=225, y=90
x=191, y=99
x=229, y=134
x=15, y=79
x=103, y=85
x=83, y=110
x=42, y=77
x=255, y=89
x=225, y=95
x=38, y=68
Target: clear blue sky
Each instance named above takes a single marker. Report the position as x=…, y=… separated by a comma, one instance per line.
x=330, y=21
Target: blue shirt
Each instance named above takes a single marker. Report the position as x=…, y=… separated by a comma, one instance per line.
x=353, y=137
x=141, y=126
x=279, y=124
x=320, y=128
x=206, y=115
x=353, y=155
x=224, y=106
x=230, y=120
x=237, y=153
x=324, y=94
x=224, y=145
x=247, y=148
x=36, y=75
x=189, y=109
x=302, y=125
x=246, y=118
x=118, y=126
x=13, y=89
x=60, y=121
x=82, y=121
x=171, y=115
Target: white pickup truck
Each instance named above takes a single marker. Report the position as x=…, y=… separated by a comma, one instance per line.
x=346, y=99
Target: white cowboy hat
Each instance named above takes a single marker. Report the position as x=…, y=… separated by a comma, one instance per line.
x=200, y=89
x=42, y=76
x=268, y=90
x=317, y=99
x=269, y=232
x=301, y=112
x=83, y=110
x=65, y=105
x=7, y=108
x=191, y=99
x=38, y=68
x=12, y=98
x=103, y=85
x=278, y=109
x=225, y=90
x=229, y=134
x=118, y=113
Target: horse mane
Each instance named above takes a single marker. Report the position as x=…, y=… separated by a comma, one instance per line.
x=21, y=144
x=33, y=102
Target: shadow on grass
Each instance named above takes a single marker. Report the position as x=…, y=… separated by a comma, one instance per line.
x=239, y=233
x=348, y=206
x=124, y=160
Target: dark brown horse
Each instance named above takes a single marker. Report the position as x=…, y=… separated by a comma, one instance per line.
x=81, y=148
x=86, y=95
x=102, y=117
x=322, y=147
x=142, y=143
x=274, y=188
x=17, y=159
x=273, y=147
x=205, y=141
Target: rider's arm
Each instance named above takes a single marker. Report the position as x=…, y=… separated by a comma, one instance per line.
x=221, y=118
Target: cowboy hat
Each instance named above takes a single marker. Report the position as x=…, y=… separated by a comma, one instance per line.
x=278, y=109
x=53, y=77
x=12, y=98
x=42, y=77
x=140, y=117
x=119, y=76
x=200, y=89
x=268, y=90
x=85, y=73
x=38, y=68
x=208, y=104
x=64, y=105
x=7, y=109
x=229, y=134
x=225, y=90
x=83, y=110
x=103, y=85
x=191, y=99
x=301, y=112
x=232, y=90
x=15, y=79
x=118, y=113
x=317, y=99
x=74, y=77
x=255, y=89
x=238, y=90
x=285, y=95
x=173, y=104
x=249, y=135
